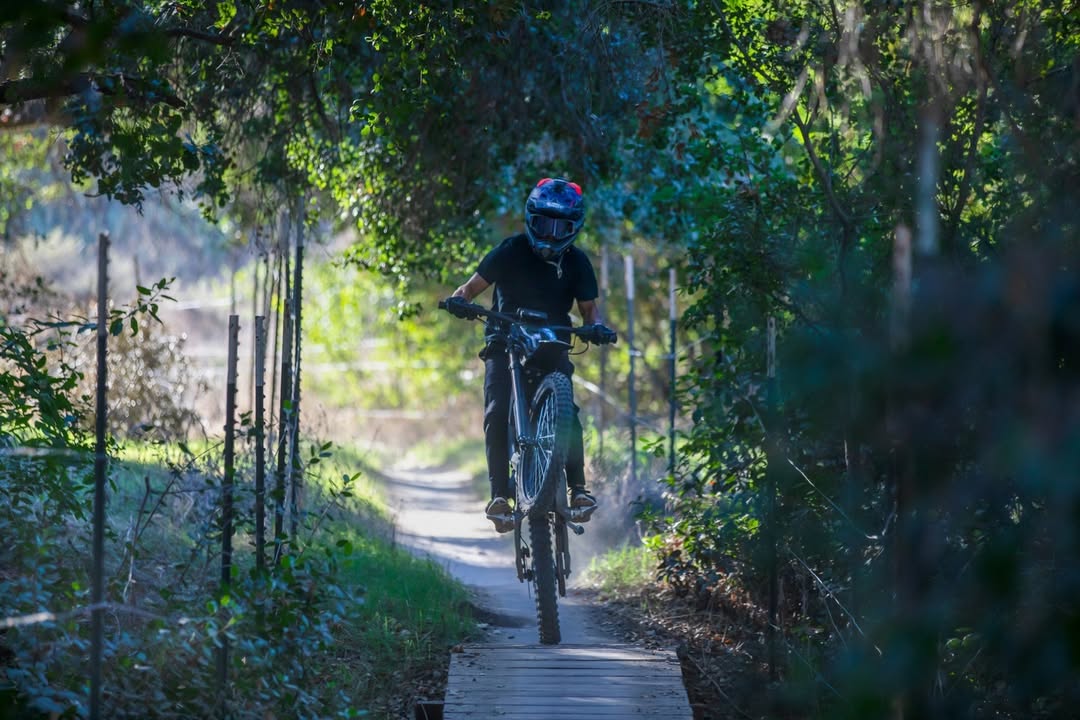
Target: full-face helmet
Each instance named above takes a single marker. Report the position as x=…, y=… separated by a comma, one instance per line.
x=554, y=214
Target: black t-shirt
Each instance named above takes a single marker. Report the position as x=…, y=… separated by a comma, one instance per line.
x=524, y=280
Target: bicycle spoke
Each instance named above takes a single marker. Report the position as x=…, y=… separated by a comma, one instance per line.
x=533, y=478
x=545, y=437
x=544, y=461
x=541, y=459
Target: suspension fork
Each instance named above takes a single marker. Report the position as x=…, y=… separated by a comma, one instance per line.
x=523, y=435
x=522, y=439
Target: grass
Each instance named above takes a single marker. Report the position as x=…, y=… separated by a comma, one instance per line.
x=412, y=613
x=622, y=572
x=397, y=616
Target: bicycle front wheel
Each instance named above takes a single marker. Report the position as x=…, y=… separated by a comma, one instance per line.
x=551, y=415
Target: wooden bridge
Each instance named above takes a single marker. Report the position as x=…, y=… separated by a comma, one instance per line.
x=530, y=682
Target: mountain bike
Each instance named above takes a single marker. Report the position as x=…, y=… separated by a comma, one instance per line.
x=539, y=435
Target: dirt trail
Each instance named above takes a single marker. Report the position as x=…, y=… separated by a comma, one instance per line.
x=439, y=515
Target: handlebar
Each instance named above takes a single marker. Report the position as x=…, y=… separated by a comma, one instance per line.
x=525, y=317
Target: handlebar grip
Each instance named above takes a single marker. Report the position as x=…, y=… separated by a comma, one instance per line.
x=442, y=304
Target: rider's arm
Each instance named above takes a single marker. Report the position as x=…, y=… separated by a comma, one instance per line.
x=590, y=312
x=472, y=288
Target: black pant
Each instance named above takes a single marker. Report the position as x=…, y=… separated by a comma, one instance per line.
x=497, y=388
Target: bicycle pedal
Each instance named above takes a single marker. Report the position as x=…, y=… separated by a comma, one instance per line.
x=582, y=514
x=503, y=523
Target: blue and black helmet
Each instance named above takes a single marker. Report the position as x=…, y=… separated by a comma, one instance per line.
x=554, y=214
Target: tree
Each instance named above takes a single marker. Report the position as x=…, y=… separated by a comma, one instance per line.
x=830, y=131
x=404, y=118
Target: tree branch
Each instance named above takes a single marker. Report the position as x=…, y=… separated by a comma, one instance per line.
x=332, y=130
x=819, y=168
x=77, y=20
x=141, y=86
x=212, y=38
x=14, y=92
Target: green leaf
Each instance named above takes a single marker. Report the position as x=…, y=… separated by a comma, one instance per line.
x=226, y=13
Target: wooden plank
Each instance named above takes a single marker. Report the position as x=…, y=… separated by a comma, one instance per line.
x=668, y=709
x=575, y=697
x=613, y=670
x=502, y=680
x=530, y=682
x=586, y=695
x=562, y=710
x=559, y=680
x=599, y=699
x=584, y=652
x=536, y=669
x=564, y=661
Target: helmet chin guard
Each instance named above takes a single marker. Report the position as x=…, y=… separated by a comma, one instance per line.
x=554, y=215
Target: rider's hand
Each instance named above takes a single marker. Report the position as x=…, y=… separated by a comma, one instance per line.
x=598, y=334
x=459, y=307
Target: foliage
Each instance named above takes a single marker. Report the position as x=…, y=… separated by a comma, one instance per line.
x=411, y=121
x=39, y=413
x=25, y=177
x=285, y=628
x=892, y=476
x=622, y=571
x=805, y=127
x=381, y=355
x=44, y=389
x=167, y=619
x=152, y=383
x=43, y=495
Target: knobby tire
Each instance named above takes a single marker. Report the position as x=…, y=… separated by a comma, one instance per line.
x=547, y=608
x=551, y=413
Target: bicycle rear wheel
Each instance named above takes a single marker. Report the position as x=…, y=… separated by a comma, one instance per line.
x=551, y=415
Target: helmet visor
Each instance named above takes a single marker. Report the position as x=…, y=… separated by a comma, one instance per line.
x=550, y=228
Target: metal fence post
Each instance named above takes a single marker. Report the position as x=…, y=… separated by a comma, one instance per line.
x=772, y=472
x=97, y=582
x=629, y=262
x=602, y=424
x=227, y=492
x=672, y=314
x=294, y=474
x=284, y=420
x=260, y=442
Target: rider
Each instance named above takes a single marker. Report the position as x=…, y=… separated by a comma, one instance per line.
x=540, y=269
